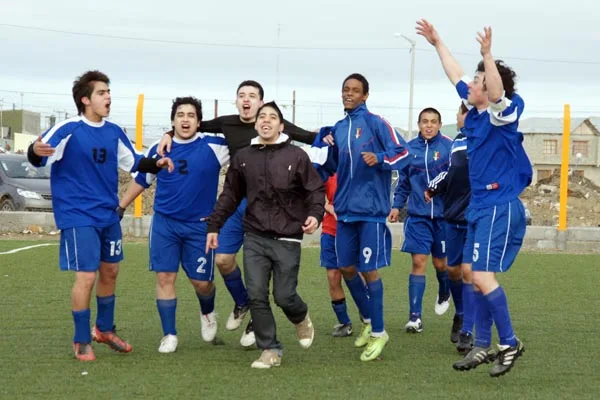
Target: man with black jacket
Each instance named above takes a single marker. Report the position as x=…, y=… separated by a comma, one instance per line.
x=286, y=199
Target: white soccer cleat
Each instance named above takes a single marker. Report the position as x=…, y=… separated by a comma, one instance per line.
x=168, y=344
x=414, y=325
x=442, y=304
x=209, y=326
x=248, y=339
x=236, y=317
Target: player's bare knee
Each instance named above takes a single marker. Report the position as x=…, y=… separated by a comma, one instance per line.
x=108, y=271
x=203, y=287
x=225, y=263
x=85, y=280
x=371, y=276
x=348, y=272
x=419, y=264
x=439, y=264
x=454, y=273
x=334, y=277
x=165, y=279
x=467, y=274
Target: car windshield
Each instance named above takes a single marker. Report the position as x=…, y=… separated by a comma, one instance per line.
x=15, y=168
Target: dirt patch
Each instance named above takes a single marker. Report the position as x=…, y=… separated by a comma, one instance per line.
x=583, y=203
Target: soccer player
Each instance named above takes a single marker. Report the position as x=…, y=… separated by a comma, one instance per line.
x=366, y=148
x=182, y=204
x=454, y=185
x=239, y=130
x=330, y=262
x=85, y=153
x=499, y=170
x=285, y=200
x=424, y=227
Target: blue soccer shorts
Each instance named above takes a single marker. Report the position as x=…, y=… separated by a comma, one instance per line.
x=173, y=242
x=365, y=244
x=423, y=235
x=328, y=256
x=497, y=235
x=459, y=250
x=231, y=235
x=83, y=247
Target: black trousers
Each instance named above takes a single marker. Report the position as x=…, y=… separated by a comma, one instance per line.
x=264, y=257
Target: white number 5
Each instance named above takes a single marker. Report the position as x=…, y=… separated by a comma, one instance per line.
x=475, y=252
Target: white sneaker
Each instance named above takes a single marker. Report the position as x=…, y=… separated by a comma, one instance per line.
x=248, y=339
x=209, y=326
x=268, y=359
x=236, y=317
x=305, y=332
x=414, y=325
x=168, y=344
x=442, y=304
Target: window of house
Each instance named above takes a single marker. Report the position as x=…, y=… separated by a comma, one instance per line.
x=550, y=147
x=580, y=146
x=543, y=173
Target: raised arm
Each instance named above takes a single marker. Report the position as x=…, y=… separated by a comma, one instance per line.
x=493, y=82
x=452, y=68
x=298, y=134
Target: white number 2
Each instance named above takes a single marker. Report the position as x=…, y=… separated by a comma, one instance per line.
x=201, y=264
x=115, y=247
x=367, y=253
x=475, y=252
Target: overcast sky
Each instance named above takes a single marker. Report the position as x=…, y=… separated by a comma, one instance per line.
x=205, y=48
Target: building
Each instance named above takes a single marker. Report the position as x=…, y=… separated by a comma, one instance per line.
x=543, y=143
x=18, y=127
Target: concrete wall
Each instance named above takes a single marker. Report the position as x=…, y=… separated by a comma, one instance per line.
x=537, y=238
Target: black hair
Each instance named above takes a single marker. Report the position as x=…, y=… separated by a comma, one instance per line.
x=358, y=77
x=274, y=106
x=83, y=86
x=507, y=74
x=179, y=101
x=430, y=110
x=261, y=91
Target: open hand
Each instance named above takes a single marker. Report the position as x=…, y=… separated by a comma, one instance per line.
x=42, y=149
x=310, y=225
x=426, y=29
x=167, y=163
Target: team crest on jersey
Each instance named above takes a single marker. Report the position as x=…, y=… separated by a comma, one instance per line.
x=436, y=155
x=358, y=132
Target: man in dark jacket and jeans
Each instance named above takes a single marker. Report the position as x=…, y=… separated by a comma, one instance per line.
x=285, y=200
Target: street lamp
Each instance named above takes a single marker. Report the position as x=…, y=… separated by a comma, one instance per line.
x=412, y=80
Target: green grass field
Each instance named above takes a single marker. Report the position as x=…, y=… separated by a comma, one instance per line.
x=553, y=298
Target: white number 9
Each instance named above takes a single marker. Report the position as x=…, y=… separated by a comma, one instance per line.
x=367, y=253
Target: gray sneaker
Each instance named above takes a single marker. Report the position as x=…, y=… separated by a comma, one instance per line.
x=305, y=332
x=474, y=358
x=342, y=330
x=506, y=357
x=268, y=359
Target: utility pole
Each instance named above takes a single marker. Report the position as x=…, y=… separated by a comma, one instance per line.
x=1, y=109
x=412, y=80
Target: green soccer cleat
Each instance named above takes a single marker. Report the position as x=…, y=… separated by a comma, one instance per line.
x=375, y=347
x=364, y=335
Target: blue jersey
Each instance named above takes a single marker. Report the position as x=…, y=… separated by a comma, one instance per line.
x=428, y=159
x=189, y=193
x=84, y=178
x=499, y=168
x=363, y=192
x=454, y=184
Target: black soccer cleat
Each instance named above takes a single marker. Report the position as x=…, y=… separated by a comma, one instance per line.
x=474, y=358
x=456, y=327
x=506, y=357
x=465, y=343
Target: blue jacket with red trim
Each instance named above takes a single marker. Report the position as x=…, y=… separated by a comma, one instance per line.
x=363, y=192
x=428, y=159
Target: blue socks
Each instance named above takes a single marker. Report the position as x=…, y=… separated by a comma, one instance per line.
x=483, y=321
x=416, y=288
x=83, y=333
x=376, y=300
x=167, y=310
x=207, y=302
x=359, y=294
x=105, y=319
x=456, y=288
x=341, y=312
x=498, y=306
x=443, y=280
x=468, y=301
x=235, y=286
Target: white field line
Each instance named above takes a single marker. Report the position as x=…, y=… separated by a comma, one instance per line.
x=13, y=251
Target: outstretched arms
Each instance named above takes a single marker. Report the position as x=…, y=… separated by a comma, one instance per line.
x=452, y=68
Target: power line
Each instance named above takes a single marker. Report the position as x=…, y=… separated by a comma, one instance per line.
x=279, y=47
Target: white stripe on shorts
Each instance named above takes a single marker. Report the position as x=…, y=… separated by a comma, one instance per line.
x=75, y=244
x=506, y=239
x=487, y=264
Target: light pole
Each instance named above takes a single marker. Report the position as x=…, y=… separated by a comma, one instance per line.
x=412, y=80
